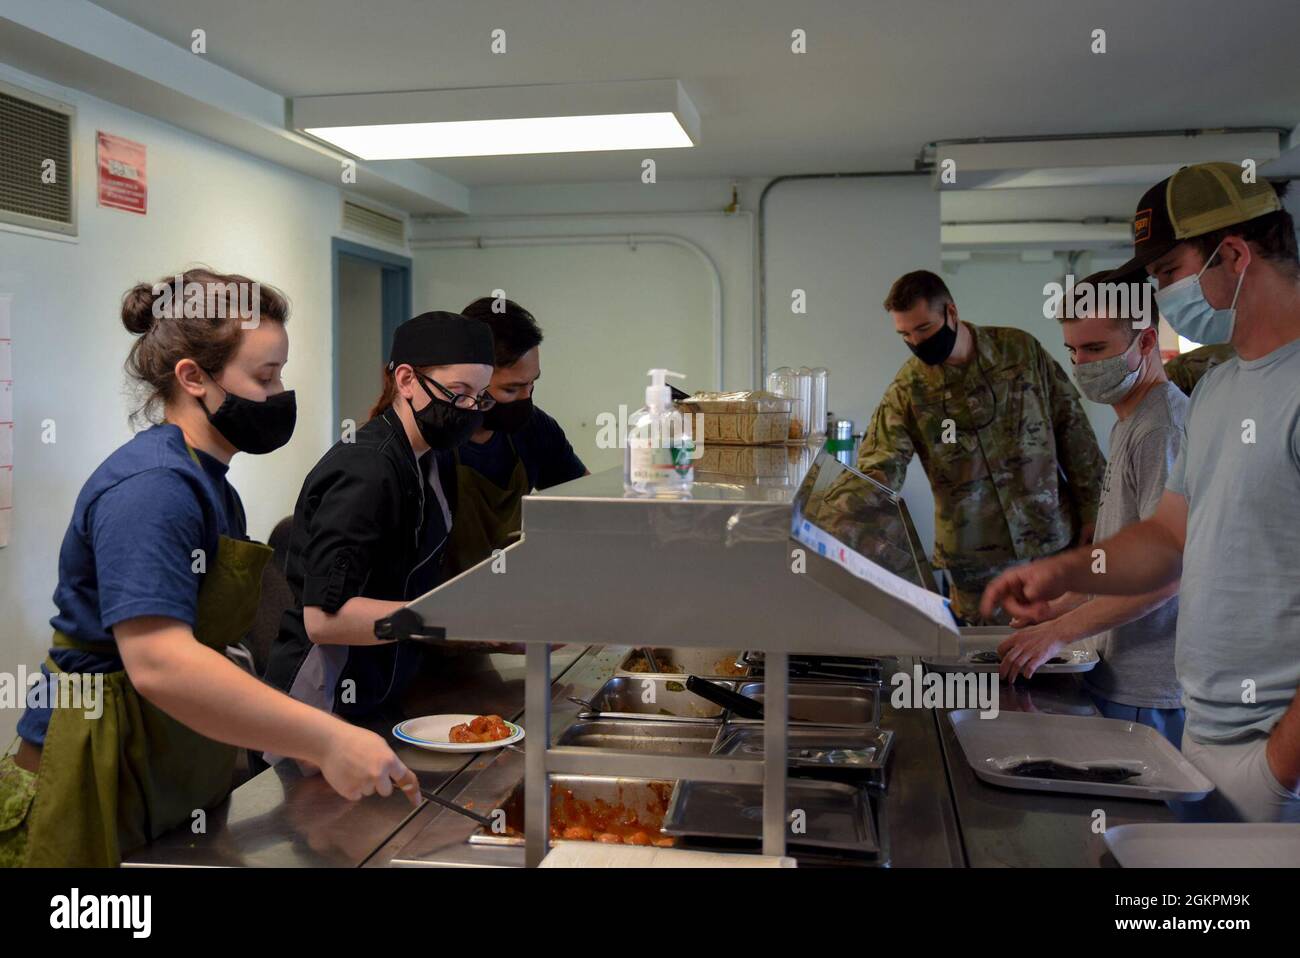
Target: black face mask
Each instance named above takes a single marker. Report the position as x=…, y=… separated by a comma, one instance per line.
x=509, y=416
x=255, y=427
x=937, y=348
x=442, y=425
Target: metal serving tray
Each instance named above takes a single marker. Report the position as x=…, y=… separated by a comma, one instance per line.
x=835, y=816
x=822, y=703
x=1166, y=775
x=1205, y=845
x=702, y=662
x=1076, y=660
x=849, y=753
x=623, y=697
x=625, y=735
x=644, y=795
x=977, y=639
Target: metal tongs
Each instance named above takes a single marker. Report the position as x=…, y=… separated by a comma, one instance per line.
x=459, y=809
x=742, y=705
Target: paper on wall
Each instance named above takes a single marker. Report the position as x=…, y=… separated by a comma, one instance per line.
x=6, y=402
x=6, y=444
x=6, y=365
x=930, y=604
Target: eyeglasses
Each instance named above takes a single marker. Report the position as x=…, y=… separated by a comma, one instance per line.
x=482, y=403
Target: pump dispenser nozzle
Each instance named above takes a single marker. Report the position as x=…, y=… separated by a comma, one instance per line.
x=659, y=395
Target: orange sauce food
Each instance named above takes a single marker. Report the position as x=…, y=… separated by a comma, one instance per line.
x=611, y=823
x=483, y=728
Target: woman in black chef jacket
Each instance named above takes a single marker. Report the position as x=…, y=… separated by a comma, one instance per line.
x=372, y=520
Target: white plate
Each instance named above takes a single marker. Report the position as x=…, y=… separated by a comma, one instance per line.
x=1186, y=845
x=431, y=731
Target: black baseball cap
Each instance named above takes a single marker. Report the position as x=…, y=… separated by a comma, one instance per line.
x=1194, y=201
x=441, y=339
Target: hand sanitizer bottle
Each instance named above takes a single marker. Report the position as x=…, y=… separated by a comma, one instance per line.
x=659, y=454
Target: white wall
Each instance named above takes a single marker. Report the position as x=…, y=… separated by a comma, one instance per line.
x=207, y=204
x=360, y=353
x=1001, y=289
x=844, y=242
x=608, y=313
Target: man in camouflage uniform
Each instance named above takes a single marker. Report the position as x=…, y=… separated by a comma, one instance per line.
x=1013, y=462
x=1186, y=370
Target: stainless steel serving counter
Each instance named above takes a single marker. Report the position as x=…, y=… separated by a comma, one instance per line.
x=282, y=818
x=917, y=821
x=934, y=813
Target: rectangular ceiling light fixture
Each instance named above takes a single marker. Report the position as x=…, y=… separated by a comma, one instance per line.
x=1103, y=161
x=503, y=121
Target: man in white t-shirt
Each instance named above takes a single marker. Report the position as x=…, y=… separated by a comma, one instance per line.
x=1115, y=354
x=1223, y=255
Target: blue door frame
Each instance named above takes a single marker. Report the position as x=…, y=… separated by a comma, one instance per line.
x=395, y=289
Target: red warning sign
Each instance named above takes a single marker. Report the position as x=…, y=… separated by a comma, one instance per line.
x=123, y=184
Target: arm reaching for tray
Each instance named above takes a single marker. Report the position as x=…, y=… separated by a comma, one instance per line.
x=1026, y=651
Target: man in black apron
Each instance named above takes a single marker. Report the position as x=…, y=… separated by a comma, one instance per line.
x=518, y=449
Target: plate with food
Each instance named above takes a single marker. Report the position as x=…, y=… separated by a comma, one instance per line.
x=458, y=733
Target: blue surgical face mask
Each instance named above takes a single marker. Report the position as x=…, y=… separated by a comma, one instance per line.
x=1184, y=305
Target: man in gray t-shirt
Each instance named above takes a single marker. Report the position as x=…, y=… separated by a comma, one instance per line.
x=1116, y=357
x=1223, y=254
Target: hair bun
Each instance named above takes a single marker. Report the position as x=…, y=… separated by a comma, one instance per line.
x=137, y=309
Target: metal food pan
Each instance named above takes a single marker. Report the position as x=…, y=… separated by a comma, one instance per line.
x=822, y=703
x=625, y=735
x=832, y=815
x=707, y=663
x=834, y=668
x=660, y=698
x=648, y=797
x=858, y=754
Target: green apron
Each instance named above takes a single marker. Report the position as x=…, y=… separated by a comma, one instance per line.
x=110, y=785
x=486, y=515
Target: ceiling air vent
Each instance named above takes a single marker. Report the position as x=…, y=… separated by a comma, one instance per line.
x=372, y=223
x=36, y=175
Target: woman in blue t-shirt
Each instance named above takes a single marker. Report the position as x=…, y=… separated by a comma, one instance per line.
x=156, y=577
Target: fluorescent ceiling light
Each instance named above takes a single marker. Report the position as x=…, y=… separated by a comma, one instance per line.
x=1138, y=160
x=503, y=121
x=543, y=134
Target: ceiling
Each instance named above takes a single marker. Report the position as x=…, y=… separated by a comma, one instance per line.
x=879, y=80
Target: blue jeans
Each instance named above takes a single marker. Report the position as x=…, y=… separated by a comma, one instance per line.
x=1168, y=722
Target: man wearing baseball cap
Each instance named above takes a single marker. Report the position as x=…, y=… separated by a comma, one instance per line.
x=1222, y=252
